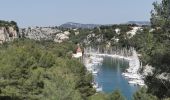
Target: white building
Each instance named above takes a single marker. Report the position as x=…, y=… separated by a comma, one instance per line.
x=117, y=30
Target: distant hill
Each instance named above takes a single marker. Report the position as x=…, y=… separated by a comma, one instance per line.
x=139, y=22
x=79, y=25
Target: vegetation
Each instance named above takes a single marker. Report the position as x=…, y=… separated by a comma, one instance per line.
x=44, y=70
x=153, y=43
x=116, y=95
x=143, y=95
x=109, y=34
x=80, y=36
x=102, y=35
x=7, y=24
x=155, y=49
x=31, y=70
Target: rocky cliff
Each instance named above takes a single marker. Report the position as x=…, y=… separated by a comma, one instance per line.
x=44, y=33
x=7, y=34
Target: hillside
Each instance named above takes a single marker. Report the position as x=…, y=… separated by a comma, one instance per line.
x=140, y=23
x=32, y=70
x=35, y=68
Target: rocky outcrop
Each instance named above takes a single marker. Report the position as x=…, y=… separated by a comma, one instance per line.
x=45, y=33
x=7, y=34
x=60, y=37
x=147, y=70
x=38, y=33
x=134, y=30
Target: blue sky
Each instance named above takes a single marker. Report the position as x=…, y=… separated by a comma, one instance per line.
x=56, y=12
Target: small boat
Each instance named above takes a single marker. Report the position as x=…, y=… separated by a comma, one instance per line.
x=96, y=63
x=132, y=82
x=99, y=59
x=126, y=74
x=141, y=84
x=99, y=89
x=134, y=76
x=95, y=72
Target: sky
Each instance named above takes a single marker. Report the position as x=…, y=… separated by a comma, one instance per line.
x=56, y=12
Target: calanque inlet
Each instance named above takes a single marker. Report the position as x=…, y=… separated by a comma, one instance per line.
x=43, y=59
x=113, y=67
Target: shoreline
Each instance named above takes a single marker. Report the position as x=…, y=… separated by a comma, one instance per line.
x=132, y=74
x=109, y=55
x=91, y=63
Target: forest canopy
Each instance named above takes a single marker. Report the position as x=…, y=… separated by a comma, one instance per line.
x=33, y=70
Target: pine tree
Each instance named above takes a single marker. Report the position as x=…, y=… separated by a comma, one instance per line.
x=160, y=17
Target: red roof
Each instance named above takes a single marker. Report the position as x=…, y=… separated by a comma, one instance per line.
x=79, y=49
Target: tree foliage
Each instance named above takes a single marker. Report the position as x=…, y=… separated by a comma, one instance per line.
x=155, y=48
x=143, y=95
x=115, y=95
x=7, y=24
x=32, y=70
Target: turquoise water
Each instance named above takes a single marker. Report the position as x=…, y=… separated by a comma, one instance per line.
x=110, y=78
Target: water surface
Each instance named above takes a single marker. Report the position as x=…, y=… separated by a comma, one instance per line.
x=110, y=78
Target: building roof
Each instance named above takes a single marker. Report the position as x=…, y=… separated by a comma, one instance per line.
x=79, y=50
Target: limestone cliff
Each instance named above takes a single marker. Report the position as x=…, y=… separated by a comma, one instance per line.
x=44, y=33
x=7, y=34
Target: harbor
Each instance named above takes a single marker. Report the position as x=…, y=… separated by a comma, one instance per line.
x=128, y=75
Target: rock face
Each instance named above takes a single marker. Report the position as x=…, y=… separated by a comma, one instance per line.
x=147, y=70
x=44, y=33
x=60, y=37
x=134, y=31
x=38, y=33
x=7, y=34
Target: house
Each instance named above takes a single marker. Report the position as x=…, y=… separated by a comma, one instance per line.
x=78, y=53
